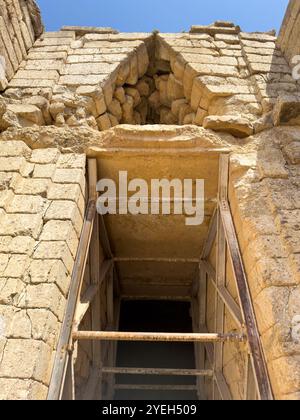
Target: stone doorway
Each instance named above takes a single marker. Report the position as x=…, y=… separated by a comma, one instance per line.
x=137, y=258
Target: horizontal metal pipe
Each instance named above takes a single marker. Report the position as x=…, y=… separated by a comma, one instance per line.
x=133, y=336
x=153, y=371
x=158, y=260
x=156, y=387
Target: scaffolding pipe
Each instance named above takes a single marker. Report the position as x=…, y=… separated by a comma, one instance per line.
x=154, y=371
x=161, y=337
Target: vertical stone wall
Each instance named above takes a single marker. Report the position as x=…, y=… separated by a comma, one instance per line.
x=265, y=201
x=289, y=36
x=20, y=26
x=41, y=214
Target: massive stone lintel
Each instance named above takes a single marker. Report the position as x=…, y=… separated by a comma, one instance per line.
x=83, y=30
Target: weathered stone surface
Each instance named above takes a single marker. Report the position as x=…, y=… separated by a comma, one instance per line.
x=56, y=230
x=198, y=78
x=26, y=204
x=69, y=176
x=21, y=225
x=54, y=250
x=27, y=114
x=50, y=271
x=237, y=126
x=104, y=122
x=14, y=148
x=19, y=360
x=65, y=210
x=287, y=110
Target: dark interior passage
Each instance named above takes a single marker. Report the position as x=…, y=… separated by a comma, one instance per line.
x=155, y=316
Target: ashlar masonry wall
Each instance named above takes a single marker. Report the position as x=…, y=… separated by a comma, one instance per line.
x=289, y=36
x=20, y=26
x=42, y=200
x=265, y=201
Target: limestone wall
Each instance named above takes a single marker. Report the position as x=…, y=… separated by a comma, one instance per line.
x=265, y=201
x=20, y=26
x=41, y=212
x=289, y=36
x=216, y=76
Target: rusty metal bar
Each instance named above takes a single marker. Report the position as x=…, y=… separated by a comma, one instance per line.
x=211, y=236
x=220, y=279
x=161, y=337
x=58, y=374
x=155, y=387
x=259, y=363
x=157, y=372
x=159, y=260
x=84, y=304
x=224, y=294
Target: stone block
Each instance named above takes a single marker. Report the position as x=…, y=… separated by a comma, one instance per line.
x=268, y=306
x=30, y=186
x=12, y=164
x=20, y=390
x=70, y=176
x=119, y=94
x=50, y=271
x=287, y=110
x=133, y=76
x=17, y=266
x=49, y=42
x=14, y=148
x=65, y=192
x=72, y=161
x=79, y=80
x=21, y=245
x=44, y=326
x=6, y=196
x=27, y=204
x=31, y=83
x=37, y=74
x=89, y=68
x=4, y=258
x=45, y=156
x=44, y=171
x=235, y=125
x=26, y=359
x=104, y=122
x=11, y=291
x=45, y=296
x=65, y=210
x=57, y=230
x=54, y=65
x=174, y=89
x=21, y=225
x=20, y=326
x=292, y=152
x=271, y=163
x=115, y=109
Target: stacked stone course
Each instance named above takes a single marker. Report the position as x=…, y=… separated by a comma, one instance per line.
x=216, y=77
x=20, y=26
x=41, y=211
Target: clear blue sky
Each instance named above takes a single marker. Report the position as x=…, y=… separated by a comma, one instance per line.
x=164, y=15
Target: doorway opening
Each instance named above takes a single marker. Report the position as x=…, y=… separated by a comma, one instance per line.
x=159, y=311
x=155, y=316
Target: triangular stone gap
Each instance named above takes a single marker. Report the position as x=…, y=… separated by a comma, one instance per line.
x=210, y=77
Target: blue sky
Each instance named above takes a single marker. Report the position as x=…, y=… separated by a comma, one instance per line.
x=164, y=15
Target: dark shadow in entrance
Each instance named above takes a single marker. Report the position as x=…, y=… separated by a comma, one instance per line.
x=155, y=316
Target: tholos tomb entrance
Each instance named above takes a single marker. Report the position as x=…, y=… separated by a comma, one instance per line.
x=145, y=316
